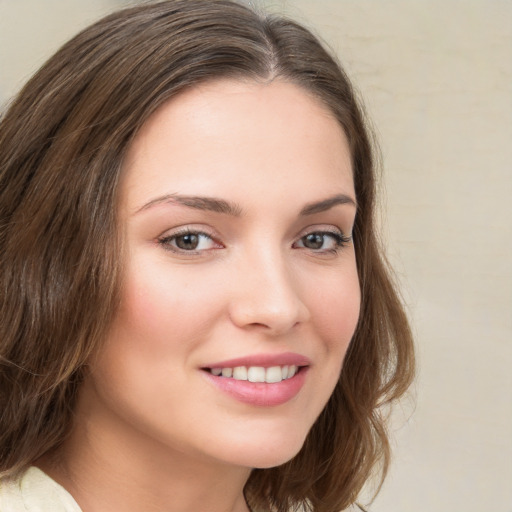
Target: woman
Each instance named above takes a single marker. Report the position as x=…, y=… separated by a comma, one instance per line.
x=196, y=314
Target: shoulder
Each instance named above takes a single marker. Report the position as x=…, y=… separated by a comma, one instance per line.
x=34, y=491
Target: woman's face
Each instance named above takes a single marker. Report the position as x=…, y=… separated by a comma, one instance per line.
x=237, y=207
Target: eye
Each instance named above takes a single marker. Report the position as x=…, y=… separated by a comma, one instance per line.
x=323, y=241
x=189, y=241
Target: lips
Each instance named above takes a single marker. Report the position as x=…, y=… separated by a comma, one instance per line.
x=262, y=380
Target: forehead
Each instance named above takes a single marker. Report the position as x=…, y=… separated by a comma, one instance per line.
x=238, y=137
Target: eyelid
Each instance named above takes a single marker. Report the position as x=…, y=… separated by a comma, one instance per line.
x=187, y=228
x=324, y=228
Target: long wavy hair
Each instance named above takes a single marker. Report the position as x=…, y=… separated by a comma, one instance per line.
x=62, y=143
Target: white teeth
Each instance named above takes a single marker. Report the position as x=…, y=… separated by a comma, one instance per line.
x=274, y=374
x=240, y=373
x=227, y=372
x=270, y=375
x=256, y=374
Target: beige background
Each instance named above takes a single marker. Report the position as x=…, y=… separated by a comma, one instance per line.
x=436, y=76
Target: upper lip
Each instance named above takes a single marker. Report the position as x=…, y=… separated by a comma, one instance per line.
x=264, y=360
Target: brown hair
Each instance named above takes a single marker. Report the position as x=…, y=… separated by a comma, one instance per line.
x=62, y=143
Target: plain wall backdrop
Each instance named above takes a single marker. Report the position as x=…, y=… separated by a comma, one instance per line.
x=436, y=77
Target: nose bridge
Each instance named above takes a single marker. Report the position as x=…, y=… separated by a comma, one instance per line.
x=266, y=293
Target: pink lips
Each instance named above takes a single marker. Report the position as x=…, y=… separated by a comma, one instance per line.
x=261, y=393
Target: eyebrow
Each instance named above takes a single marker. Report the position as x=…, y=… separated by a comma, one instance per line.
x=211, y=204
x=216, y=205
x=327, y=204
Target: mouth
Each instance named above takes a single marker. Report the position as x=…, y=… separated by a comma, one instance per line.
x=269, y=375
x=263, y=380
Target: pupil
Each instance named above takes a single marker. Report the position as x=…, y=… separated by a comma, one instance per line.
x=314, y=241
x=187, y=242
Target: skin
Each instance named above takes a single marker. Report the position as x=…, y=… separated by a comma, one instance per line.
x=147, y=415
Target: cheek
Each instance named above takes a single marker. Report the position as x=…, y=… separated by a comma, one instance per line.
x=162, y=318
x=335, y=307
x=163, y=310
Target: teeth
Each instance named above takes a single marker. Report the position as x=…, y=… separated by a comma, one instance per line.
x=274, y=374
x=257, y=373
x=227, y=372
x=240, y=373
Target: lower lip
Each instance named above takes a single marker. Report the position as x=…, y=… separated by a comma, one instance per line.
x=261, y=394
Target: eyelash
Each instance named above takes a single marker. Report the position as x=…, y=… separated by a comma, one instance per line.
x=340, y=241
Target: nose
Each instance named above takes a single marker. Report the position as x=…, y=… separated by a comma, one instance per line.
x=266, y=295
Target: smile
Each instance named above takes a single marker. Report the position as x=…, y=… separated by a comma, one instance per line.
x=269, y=375
x=263, y=380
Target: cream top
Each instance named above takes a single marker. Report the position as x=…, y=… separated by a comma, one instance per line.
x=35, y=491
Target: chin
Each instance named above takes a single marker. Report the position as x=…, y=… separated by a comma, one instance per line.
x=274, y=460
x=267, y=452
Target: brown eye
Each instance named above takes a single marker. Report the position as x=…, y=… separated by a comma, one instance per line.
x=322, y=241
x=188, y=242
x=313, y=241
